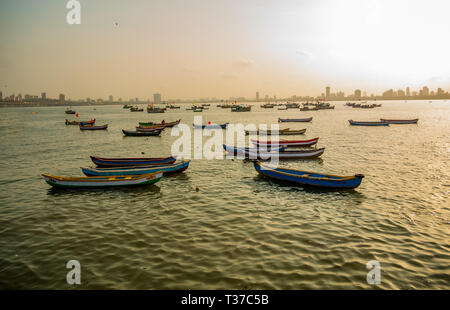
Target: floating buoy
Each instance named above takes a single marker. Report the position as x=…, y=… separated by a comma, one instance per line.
x=197, y=189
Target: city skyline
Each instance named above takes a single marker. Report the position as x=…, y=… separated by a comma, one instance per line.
x=277, y=48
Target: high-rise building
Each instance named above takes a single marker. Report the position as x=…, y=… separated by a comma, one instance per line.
x=408, y=92
x=389, y=93
x=327, y=92
x=43, y=96
x=425, y=91
x=1, y=96
x=110, y=99
x=257, y=96
x=137, y=99
x=357, y=93
x=440, y=92
x=157, y=98
x=401, y=93
x=62, y=99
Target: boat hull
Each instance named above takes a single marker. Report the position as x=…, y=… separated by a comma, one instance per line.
x=93, y=127
x=212, y=126
x=295, y=120
x=399, y=121
x=166, y=169
x=268, y=154
x=356, y=123
x=102, y=182
x=138, y=133
x=286, y=143
x=310, y=179
x=126, y=162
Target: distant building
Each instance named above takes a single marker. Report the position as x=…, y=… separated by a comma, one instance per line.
x=62, y=99
x=425, y=91
x=400, y=93
x=388, y=94
x=327, y=92
x=43, y=96
x=357, y=94
x=440, y=92
x=157, y=98
x=257, y=96
x=137, y=99
x=408, y=92
x=1, y=96
x=110, y=99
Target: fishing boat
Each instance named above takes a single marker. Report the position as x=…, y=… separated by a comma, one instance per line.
x=136, y=133
x=126, y=106
x=286, y=143
x=309, y=109
x=281, y=132
x=126, y=162
x=92, y=121
x=137, y=170
x=197, y=110
x=400, y=121
x=153, y=125
x=93, y=127
x=267, y=106
x=235, y=150
x=305, y=178
x=103, y=181
x=364, y=123
x=68, y=111
x=241, y=108
x=259, y=153
x=136, y=109
x=293, y=120
x=149, y=128
x=210, y=126
x=152, y=109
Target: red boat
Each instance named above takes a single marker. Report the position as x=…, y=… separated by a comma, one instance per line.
x=286, y=143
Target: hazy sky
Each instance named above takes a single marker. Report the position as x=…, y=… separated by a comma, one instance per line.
x=222, y=48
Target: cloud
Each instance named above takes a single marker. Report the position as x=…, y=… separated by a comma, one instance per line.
x=244, y=63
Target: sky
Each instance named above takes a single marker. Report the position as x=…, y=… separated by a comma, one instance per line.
x=222, y=48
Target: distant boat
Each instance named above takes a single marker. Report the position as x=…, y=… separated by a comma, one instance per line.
x=70, y=111
x=287, y=120
x=93, y=127
x=150, y=128
x=133, y=161
x=305, y=178
x=400, y=121
x=286, y=143
x=267, y=154
x=137, y=170
x=136, y=109
x=210, y=126
x=126, y=106
x=92, y=121
x=363, y=123
x=241, y=108
x=281, y=132
x=166, y=124
x=103, y=181
x=137, y=133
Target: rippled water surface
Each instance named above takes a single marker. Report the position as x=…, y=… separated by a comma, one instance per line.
x=238, y=231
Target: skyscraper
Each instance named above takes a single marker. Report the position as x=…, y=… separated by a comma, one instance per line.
x=327, y=92
x=257, y=96
x=43, y=96
x=62, y=99
x=1, y=96
x=425, y=91
x=407, y=92
x=157, y=98
x=357, y=93
x=110, y=99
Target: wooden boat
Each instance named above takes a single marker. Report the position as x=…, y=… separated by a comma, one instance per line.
x=363, y=123
x=92, y=121
x=282, y=109
x=70, y=112
x=149, y=128
x=286, y=143
x=126, y=106
x=197, y=110
x=400, y=121
x=282, y=154
x=267, y=106
x=136, y=109
x=169, y=124
x=309, y=109
x=126, y=162
x=137, y=170
x=305, y=178
x=136, y=133
x=240, y=150
x=93, y=127
x=281, y=132
x=241, y=109
x=299, y=120
x=210, y=126
x=152, y=109
x=103, y=181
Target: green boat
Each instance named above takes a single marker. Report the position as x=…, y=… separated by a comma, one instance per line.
x=146, y=123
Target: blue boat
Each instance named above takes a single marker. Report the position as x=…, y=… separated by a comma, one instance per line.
x=305, y=178
x=357, y=123
x=127, y=162
x=136, y=170
x=211, y=126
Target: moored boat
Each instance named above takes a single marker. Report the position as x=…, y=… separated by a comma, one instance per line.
x=163, y=124
x=241, y=108
x=136, y=109
x=281, y=132
x=305, y=178
x=286, y=143
x=210, y=126
x=137, y=170
x=149, y=128
x=93, y=127
x=133, y=161
x=364, y=123
x=400, y=121
x=70, y=111
x=240, y=150
x=281, y=154
x=137, y=133
x=103, y=181
x=68, y=122
x=293, y=120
